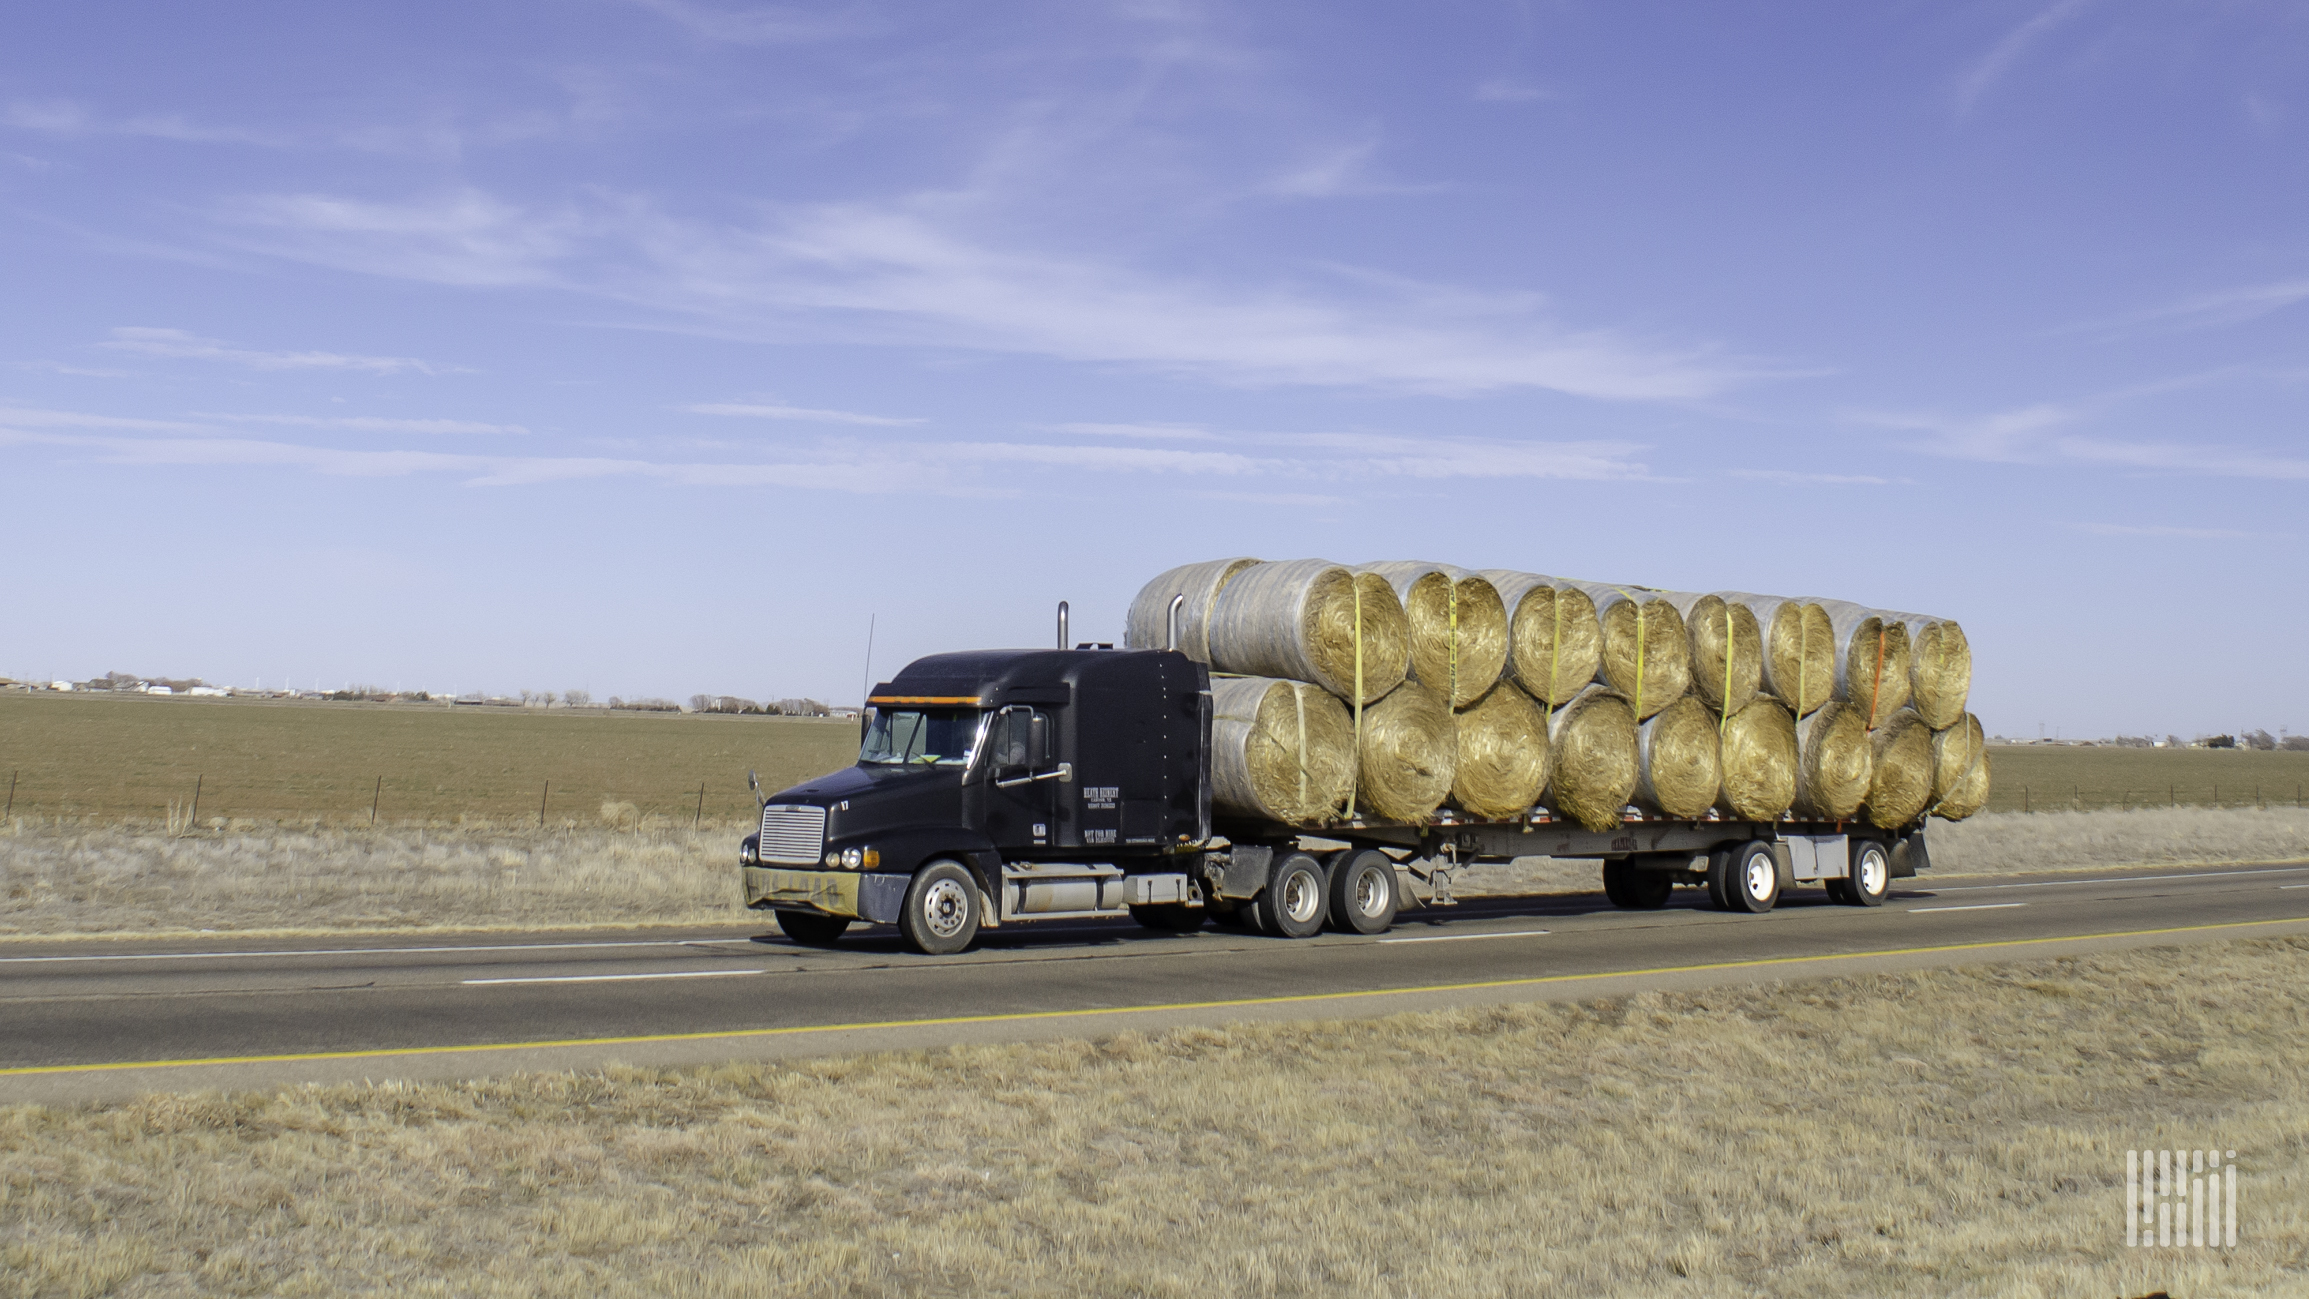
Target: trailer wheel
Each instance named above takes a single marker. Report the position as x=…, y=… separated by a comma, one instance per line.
x=1744, y=878
x=940, y=914
x=1871, y=876
x=1636, y=890
x=1169, y=917
x=1291, y=906
x=812, y=930
x=1363, y=897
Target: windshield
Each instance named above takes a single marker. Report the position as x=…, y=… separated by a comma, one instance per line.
x=942, y=737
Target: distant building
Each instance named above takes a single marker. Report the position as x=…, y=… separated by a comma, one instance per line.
x=209, y=692
x=159, y=690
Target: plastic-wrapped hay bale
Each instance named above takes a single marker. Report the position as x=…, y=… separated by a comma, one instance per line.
x=1727, y=650
x=1298, y=620
x=1502, y=764
x=1900, y=770
x=1458, y=627
x=1759, y=761
x=1959, y=769
x=1148, y=624
x=1677, y=769
x=1939, y=668
x=1833, y=762
x=1647, y=654
x=1591, y=744
x=1799, y=649
x=1554, y=642
x=1871, y=660
x=1409, y=750
x=1282, y=750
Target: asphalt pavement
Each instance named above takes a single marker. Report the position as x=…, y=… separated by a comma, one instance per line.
x=99, y=1020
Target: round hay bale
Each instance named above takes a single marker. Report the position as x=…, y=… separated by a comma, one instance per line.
x=1677, y=763
x=1554, y=642
x=1832, y=762
x=1591, y=743
x=1799, y=649
x=1871, y=660
x=1502, y=763
x=1647, y=654
x=1458, y=627
x=1900, y=771
x=1298, y=620
x=1281, y=750
x=1409, y=751
x=1727, y=650
x=1959, y=770
x=1759, y=761
x=1147, y=626
x=1939, y=668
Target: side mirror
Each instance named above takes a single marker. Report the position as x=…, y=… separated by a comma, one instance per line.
x=1038, y=742
x=754, y=783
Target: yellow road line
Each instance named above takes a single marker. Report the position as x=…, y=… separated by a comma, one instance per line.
x=1019, y=1016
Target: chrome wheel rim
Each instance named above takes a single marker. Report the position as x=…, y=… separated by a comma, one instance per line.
x=945, y=908
x=1301, y=896
x=1370, y=893
x=1873, y=873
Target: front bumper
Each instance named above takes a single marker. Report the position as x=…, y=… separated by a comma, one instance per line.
x=851, y=894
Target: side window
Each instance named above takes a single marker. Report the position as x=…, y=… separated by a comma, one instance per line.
x=1011, y=730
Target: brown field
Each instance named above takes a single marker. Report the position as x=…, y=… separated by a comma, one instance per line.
x=1947, y=1132
x=2061, y=778
x=95, y=759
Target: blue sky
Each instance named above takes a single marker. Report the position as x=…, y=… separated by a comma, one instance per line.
x=657, y=347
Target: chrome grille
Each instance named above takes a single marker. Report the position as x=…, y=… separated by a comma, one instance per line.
x=792, y=834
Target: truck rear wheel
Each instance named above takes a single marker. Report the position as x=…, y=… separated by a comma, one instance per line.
x=1744, y=878
x=812, y=930
x=1871, y=877
x=1635, y=889
x=940, y=914
x=1363, y=897
x=1292, y=904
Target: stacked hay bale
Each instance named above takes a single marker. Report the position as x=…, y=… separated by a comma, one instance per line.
x=1388, y=690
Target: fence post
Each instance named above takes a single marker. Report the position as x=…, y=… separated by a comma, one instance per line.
x=2024, y=798
x=701, y=812
x=374, y=795
x=194, y=819
x=10, y=814
x=542, y=795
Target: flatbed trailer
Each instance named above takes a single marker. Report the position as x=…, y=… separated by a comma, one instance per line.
x=1003, y=787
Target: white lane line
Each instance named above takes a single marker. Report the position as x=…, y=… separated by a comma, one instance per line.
x=2282, y=887
x=1461, y=938
x=611, y=978
x=367, y=951
x=1977, y=906
x=1921, y=882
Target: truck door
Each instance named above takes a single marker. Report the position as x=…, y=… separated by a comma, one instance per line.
x=1023, y=795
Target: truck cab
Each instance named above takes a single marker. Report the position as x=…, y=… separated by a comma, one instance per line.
x=995, y=786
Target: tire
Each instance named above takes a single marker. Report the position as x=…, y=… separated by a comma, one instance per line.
x=1293, y=903
x=812, y=930
x=1169, y=917
x=1635, y=889
x=1839, y=892
x=1745, y=878
x=1871, y=876
x=1362, y=894
x=940, y=914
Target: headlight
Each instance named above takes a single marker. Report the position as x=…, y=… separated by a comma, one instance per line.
x=852, y=859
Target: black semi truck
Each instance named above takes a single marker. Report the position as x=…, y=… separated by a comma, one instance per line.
x=996, y=787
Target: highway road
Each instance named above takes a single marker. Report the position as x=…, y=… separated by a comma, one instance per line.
x=88, y=1021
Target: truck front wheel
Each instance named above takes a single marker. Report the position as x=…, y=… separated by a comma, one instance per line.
x=1292, y=904
x=940, y=915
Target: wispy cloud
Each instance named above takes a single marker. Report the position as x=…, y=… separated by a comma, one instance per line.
x=2207, y=459
x=2008, y=436
x=805, y=414
x=1161, y=432
x=1794, y=476
x=25, y=417
x=2162, y=530
x=180, y=345
x=1507, y=90
x=2036, y=435
x=893, y=275
x=2221, y=307
x=1991, y=67
x=756, y=25
x=375, y=424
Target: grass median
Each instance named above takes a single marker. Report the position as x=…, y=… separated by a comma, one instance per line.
x=1953, y=1131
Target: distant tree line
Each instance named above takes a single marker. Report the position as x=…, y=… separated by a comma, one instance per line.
x=2257, y=740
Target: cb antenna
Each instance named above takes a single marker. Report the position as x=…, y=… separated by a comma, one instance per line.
x=866, y=686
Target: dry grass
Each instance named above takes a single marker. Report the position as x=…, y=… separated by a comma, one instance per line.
x=111, y=880
x=103, y=759
x=2056, y=777
x=1950, y=1132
